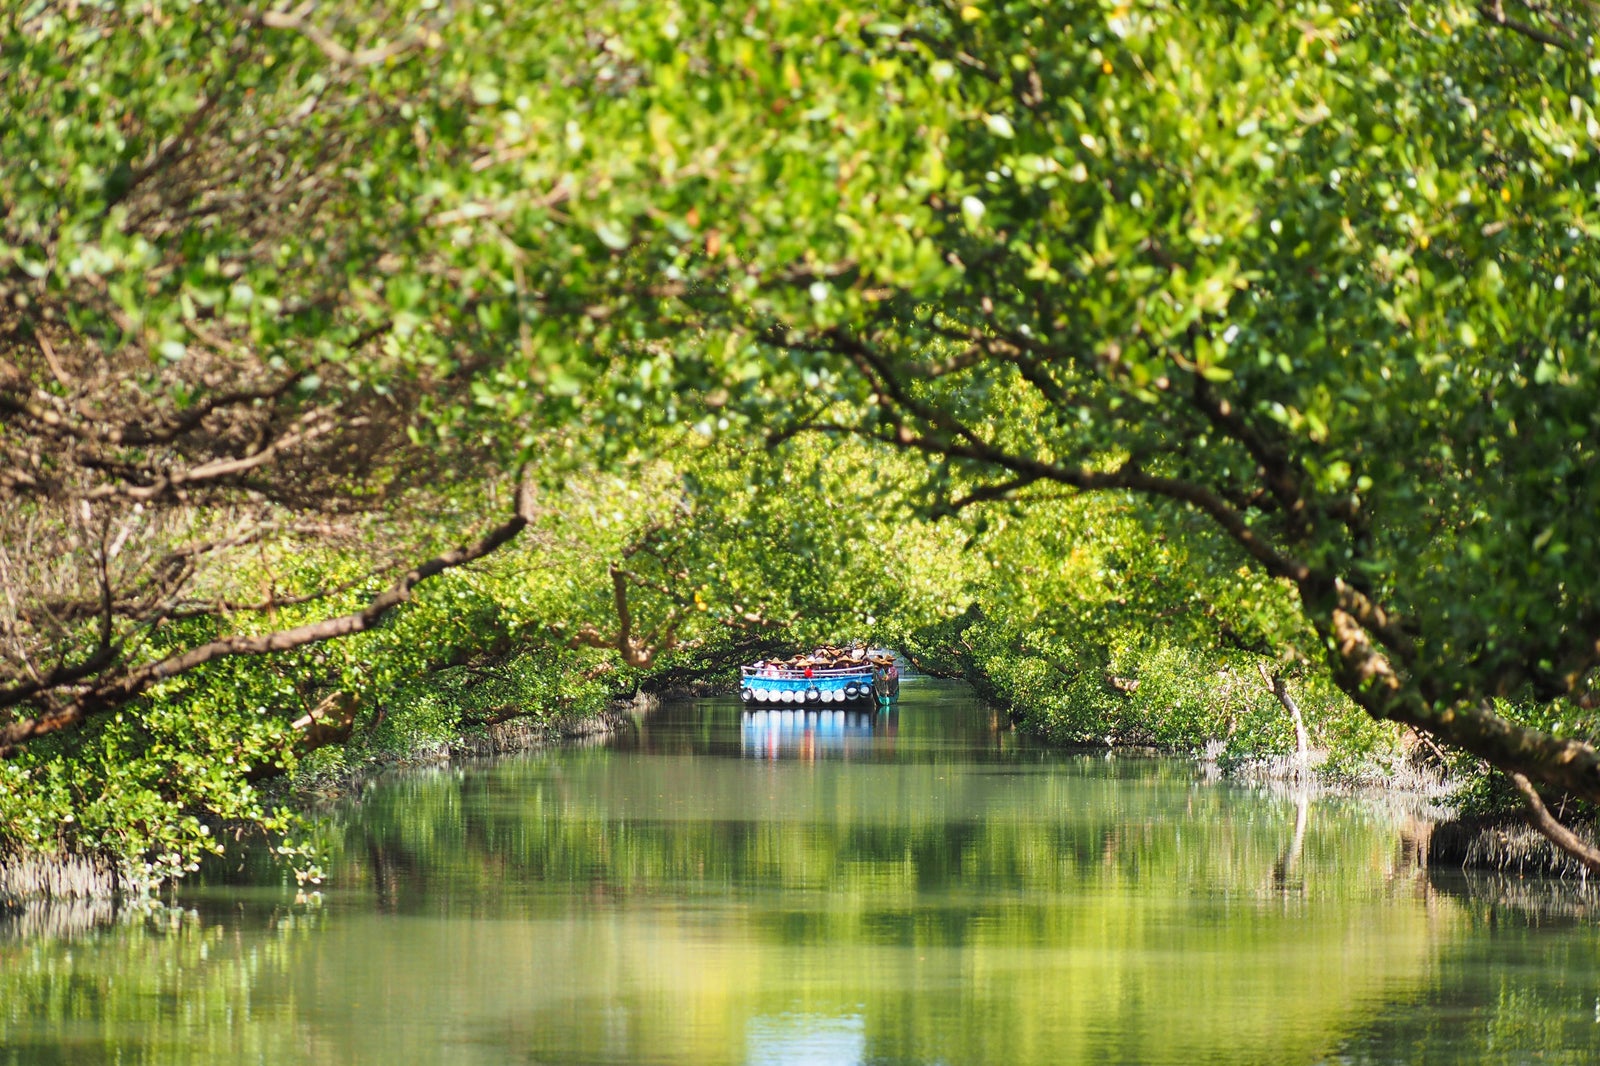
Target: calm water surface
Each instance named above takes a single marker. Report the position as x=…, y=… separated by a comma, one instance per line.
x=917, y=886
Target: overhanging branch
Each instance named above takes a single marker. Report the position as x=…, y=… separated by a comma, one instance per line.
x=1540, y=818
x=120, y=690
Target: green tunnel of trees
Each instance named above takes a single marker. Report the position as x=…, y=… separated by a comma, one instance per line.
x=371, y=373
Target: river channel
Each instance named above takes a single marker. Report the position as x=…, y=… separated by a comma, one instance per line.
x=921, y=885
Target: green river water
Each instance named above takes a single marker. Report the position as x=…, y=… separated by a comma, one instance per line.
x=917, y=886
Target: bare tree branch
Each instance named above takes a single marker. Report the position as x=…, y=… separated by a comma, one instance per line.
x=118, y=691
x=299, y=20
x=998, y=490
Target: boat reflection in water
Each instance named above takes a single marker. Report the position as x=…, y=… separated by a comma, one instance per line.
x=804, y=734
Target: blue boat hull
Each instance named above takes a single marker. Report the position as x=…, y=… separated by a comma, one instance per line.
x=866, y=686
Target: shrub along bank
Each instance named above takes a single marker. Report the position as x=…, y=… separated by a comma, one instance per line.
x=1088, y=630
x=1090, y=626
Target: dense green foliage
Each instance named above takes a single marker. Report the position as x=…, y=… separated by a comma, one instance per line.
x=1318, y=275
x=1060, y=632
x=1302, y=295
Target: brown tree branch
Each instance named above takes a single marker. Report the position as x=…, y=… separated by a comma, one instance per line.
x=119, y=691
x=61, y=375
x=998, y=490
x=166, y=576
x=638, y=652
x=1365, y=675
x=217, y=469
x=1494, y=11
x=193, y=416
x=1274, y=466
x=300, y=22
x=201, y=609
x=1540, y=818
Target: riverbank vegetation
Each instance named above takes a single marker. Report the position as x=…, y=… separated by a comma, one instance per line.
x=1179, y=373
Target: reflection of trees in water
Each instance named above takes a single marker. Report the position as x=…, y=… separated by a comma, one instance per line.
x=36, y=919
x=1286, y=875
x=88, y=983
x=388, y=870
x=1070, y=906
x=1415, y=834
x=1494, y=897
x=1522, y=988
x=986, y=906
x=526, y=834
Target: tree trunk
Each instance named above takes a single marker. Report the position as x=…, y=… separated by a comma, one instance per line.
x=1280, y=689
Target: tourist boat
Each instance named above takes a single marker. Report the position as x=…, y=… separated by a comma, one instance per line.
x=827, y=676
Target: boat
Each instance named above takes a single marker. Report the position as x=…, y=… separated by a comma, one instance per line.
x=826, y=676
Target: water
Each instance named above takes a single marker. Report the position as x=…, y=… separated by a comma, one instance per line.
x=919, y=886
